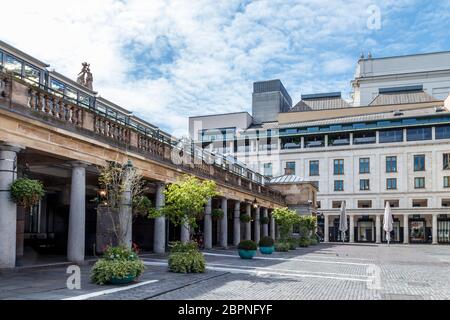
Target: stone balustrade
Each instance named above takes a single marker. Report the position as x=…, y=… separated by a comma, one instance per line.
x=44, y=105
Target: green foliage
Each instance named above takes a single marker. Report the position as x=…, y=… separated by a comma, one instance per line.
x=178, y=246
x=313, y=241
x=186, y=198
x=26, y=192
x=247, y=245
x=266, y=242
x=285, y=219
x=142, y=205
x=307, y=225
x=104, y=270
x=303, y=242
x=245, y=218
x=282, y=246
x=117, y=262
x=293, y=243
x=217, y=214
x=187, y=262
x=185, y=258
x=264, y=220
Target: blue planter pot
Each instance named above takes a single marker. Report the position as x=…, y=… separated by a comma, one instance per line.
x=247, y=254
x=266, y=250
x=127, y=279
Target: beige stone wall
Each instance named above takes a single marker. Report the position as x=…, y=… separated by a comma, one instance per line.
x=298, y=194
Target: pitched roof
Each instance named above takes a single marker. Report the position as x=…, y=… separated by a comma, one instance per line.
x=286, y=179
x=401, y=98
x=320, y=104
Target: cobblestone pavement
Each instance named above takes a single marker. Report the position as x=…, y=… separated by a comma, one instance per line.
x=326, y=271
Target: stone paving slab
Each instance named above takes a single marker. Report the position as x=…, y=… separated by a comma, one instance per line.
x=326, y=271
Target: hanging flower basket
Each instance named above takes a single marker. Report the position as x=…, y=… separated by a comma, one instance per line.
x=245, y=218
x=26, y=192
x=217, y=214
x=264, y=220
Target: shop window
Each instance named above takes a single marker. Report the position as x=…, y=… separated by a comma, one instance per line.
x=420, y=203
x=392, y=203
x=364, y=204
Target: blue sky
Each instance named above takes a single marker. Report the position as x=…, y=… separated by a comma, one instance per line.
x=167, y=60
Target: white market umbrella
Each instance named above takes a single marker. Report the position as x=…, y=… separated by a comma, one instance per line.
x=343, y=221
x=388, y=222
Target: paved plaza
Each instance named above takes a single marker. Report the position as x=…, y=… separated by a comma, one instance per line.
x=326, y=271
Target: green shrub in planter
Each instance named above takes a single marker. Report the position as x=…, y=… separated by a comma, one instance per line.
x=264, y=220
x=303, y=242
x=247, y=249
x=266, y=242
x=185, y=258
x=313, y=241
x=178, y=246
x=293, y=243
x=282, y=246
x=26, y=192
x=118, y=265
x=187, y=262
x=247, y=245
x=245, y=218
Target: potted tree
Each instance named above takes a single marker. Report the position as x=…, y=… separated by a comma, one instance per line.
x=285, y=219
x=247, y=249
x=121, y=199
x=184, y=201
x=266, y=245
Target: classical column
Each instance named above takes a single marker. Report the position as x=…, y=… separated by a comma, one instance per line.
x=224, y=224
x=125, y=209
x=326, y=229
x=352, y=228
x=434, y=229
x=185, y=235
x=207, y=226
x=378, y=228
x=265, y=225
x=272, y=227
x=248, y=226
x=405, y=229
x=159, y=234
x=8, y=209
x=257, y=224
x=237, y=223
x=77, y=214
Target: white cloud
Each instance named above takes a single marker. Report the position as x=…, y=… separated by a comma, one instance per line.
x=167, y=60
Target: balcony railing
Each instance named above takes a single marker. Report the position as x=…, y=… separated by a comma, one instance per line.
x=42, y=103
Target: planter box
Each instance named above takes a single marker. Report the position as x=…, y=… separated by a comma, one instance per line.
x=127, y=279
x=247, y=254
x=266, y=250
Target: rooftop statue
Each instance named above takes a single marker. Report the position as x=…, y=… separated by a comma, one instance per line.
x=85, y=76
